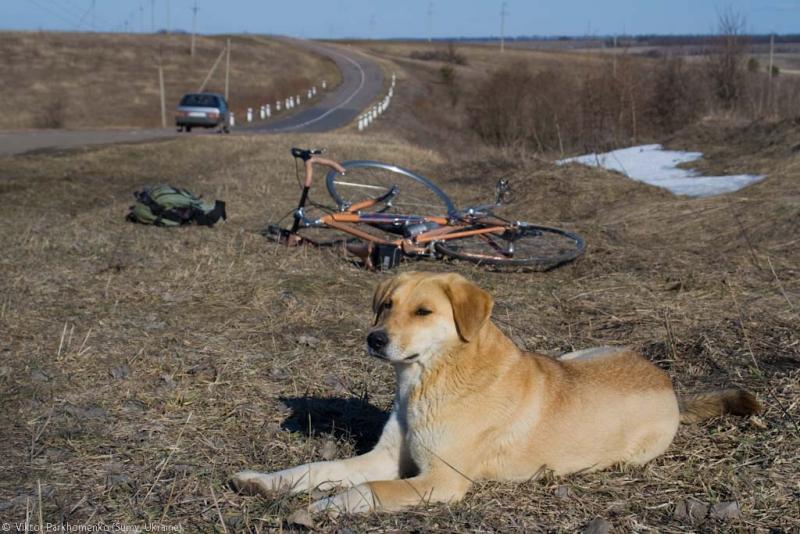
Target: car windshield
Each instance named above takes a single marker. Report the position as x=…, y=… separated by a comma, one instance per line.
x=204, y=101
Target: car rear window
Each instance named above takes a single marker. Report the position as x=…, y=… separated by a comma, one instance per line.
x=205, y=101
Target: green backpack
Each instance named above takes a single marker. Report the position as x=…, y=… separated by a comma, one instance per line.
x=164, y=205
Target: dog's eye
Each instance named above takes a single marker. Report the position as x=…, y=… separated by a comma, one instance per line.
x=423, y=312
x=387, y=305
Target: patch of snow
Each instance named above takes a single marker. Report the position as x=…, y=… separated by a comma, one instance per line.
x=653, y=165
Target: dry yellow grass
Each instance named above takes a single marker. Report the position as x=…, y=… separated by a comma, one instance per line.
x=141, y=366
x=77, y=80
x=483, y=58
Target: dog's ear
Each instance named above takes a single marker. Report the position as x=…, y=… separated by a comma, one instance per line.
x=385, y=289
x=472, y=306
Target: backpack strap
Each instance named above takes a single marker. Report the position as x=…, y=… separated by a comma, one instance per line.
x=209, y=218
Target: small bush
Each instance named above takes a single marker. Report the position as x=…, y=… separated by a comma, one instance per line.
x=674, y=101
x=516, y=107
x=449, y=55
x=450, y=81
x=52, y=115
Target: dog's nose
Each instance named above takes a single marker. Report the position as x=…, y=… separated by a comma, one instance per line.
x=377, y=339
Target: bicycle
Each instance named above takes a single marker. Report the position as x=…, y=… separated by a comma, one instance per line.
x=371, y=195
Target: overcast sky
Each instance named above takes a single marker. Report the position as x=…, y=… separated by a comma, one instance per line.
x=400, y=18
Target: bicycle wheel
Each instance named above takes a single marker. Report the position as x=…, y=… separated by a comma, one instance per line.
x=526, y=245
x=365, y=180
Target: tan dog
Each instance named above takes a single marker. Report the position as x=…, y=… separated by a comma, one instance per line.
x=470, y=405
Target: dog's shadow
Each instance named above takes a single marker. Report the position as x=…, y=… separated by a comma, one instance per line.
x=343, y=418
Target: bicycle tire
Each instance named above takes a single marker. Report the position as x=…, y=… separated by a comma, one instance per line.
x=371, y=179
x=543, y=247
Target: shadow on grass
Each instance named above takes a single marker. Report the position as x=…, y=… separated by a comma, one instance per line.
x=344, y=418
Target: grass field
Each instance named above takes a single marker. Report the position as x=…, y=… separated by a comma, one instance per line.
x=76, y=80
x=142, y=366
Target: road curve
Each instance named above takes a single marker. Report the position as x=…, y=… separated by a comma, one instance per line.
x=362, y=81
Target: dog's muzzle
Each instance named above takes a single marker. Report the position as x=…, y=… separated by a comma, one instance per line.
x=376, y=342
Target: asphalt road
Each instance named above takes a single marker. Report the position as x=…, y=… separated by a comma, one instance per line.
x=362, y=81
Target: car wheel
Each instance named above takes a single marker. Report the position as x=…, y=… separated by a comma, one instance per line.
x=188, y=128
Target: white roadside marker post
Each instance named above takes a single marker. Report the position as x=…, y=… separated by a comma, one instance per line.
x=249, y=114
x=269, y=111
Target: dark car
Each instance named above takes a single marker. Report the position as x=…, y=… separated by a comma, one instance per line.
x=202, y=110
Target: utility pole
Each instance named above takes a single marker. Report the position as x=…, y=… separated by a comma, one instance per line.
x=94, y=7
x=771, y=50
x=614, y=56
x=770, y=93
x=153, y=16
x=211, y=72
x=227, y=68
x=430, y=20
x=141, y=18
x=194, y=26
x=503, y=13
x=372, y=27
x=163, y=96
x=169, y=27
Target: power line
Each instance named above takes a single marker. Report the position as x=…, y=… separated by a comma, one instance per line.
x=127, y=23
x=72, y=6
x=91, y=8
x=64, y=10
x=194, y=26
x=430, y=20
x=60, y=16
x=503, y=13
x=86, y=14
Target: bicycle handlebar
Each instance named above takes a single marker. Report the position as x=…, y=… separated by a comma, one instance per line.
x=306, y=154
x=310, y=157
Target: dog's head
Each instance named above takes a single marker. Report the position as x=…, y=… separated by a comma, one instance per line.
x=421, y=315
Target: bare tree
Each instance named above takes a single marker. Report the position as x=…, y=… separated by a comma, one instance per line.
x=726, y=63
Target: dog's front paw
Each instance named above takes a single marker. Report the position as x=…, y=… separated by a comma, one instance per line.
x=253, y=482
x=357, y=500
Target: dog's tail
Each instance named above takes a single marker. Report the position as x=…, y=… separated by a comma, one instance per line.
x=701, y=406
